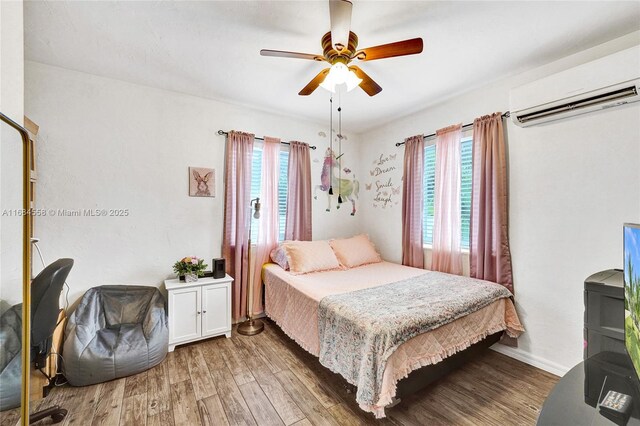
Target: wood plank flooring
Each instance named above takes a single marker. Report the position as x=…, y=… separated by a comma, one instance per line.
x=269, y=380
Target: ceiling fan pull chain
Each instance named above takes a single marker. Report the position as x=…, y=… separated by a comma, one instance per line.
x=331, y=143
x=340, y=148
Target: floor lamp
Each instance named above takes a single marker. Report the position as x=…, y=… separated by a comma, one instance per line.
x=251, y=326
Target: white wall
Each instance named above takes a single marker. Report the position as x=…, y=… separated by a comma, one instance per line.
x=572, y=185
x=12, y=105
x=107, y=144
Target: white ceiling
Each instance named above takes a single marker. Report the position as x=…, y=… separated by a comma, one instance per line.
x=210, y=49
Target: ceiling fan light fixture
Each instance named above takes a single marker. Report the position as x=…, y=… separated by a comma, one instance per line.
x=340, y=74
x=352, y=81
x=340, y=48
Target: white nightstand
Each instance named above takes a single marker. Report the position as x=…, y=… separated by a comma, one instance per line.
x=198, y=310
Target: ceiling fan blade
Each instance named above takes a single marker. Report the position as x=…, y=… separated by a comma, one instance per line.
x=295, y=55
x=313, y=84
x=399, y=48
x=368, y=85
x=340, y=13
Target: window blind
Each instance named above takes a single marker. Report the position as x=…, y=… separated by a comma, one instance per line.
x=466, y=178
x=256, y=177
x=283, y=183
x=429, y=183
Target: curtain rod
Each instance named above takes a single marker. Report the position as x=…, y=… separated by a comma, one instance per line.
x=465, y=127
x=222, y=132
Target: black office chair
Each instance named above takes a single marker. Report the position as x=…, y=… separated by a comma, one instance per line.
x=45, y=309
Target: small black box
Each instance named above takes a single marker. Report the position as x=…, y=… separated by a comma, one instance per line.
x=218, y=268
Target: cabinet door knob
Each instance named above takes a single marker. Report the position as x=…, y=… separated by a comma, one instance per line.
x=198, y=312
x=204, y=312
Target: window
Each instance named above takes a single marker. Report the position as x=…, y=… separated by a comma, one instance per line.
x=429, y=182
x=429, y=185
x=466, y=177
x=283, y=186
x=256, y=177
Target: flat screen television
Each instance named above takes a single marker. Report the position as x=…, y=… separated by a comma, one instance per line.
x=632, y=293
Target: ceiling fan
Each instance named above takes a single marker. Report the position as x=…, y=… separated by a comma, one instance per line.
x=340, y=48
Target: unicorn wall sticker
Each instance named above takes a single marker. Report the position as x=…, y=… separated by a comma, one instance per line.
x=347, y=188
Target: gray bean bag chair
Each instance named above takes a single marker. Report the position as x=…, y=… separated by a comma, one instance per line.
x=115, y=331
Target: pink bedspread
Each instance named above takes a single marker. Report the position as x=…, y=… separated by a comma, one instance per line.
x=292, y=302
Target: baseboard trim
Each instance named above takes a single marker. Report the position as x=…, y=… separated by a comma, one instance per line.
x=527, y=358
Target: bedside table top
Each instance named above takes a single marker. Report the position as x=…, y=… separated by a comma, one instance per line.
x=176, y=283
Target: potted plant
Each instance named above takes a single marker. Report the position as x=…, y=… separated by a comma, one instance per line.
x=191, y=267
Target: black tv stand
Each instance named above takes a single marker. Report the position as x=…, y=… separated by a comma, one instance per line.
x=604, y=313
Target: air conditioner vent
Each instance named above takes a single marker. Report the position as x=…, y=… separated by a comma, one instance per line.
x=604, y=83
x=605, y=98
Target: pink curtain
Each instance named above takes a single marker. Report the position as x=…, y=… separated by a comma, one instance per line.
x=268, y=223
x=298, y=221
x=237, y=213
x=489, y=237
x=413, y=202
x=447, y=231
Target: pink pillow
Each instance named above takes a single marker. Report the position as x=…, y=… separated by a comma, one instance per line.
x=355, y=251
x=310, y=256
x=279, y=256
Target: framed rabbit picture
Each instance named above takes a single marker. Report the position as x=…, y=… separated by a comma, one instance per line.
x=202, y=182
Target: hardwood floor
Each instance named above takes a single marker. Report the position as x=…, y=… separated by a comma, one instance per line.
x=269, y=380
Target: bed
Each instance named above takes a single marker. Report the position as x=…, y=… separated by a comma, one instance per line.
x=334, y=314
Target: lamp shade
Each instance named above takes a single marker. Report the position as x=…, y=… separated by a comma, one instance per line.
x=340, y=74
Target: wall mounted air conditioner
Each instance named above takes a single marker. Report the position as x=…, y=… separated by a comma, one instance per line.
x=604, y=83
